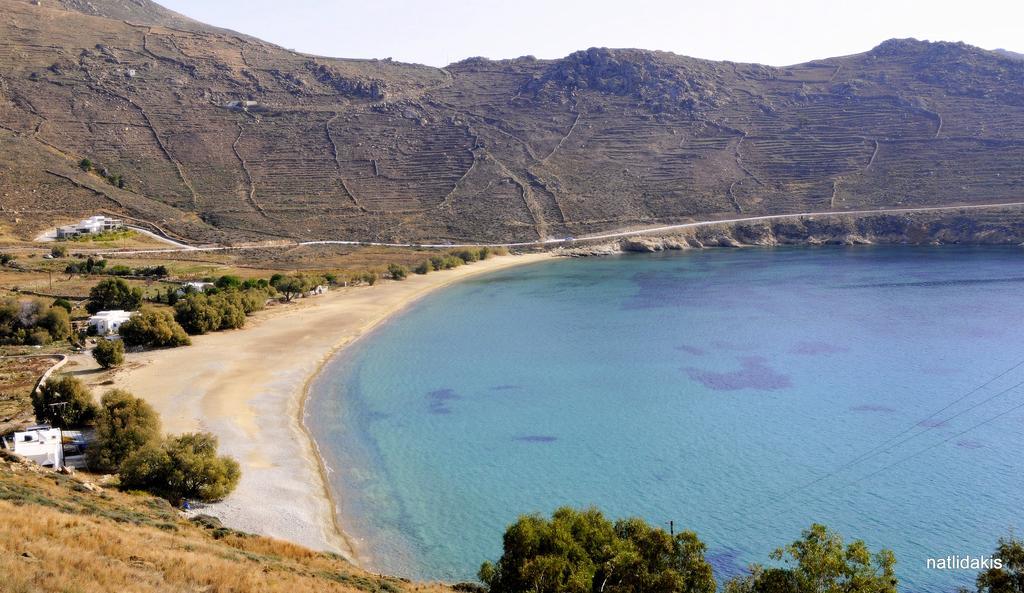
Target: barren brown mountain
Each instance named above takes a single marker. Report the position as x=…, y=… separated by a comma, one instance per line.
x=222, y=137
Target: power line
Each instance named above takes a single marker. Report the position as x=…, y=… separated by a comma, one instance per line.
x=889, y=443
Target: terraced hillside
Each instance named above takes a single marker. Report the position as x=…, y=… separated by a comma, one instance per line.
x=222, y=137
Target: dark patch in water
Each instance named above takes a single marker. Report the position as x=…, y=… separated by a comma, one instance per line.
x=754, y=374
x=725, y=563
x=872, y=408
x=723, y=345
x=535, y=438
x=934, y=283
x=931, y=423
x=970, y=444
x=506, y=387
x=691, y=350
x=815, y=348
x=437, y=401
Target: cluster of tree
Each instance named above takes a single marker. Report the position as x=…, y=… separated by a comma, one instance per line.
x=297, y=284
x=457, y=257
x=153, y=328
x=33, y=321
x=114, y=293
x=202, y=312
x=99, y=266
x=583, y=552
x=1009, y=578
x=128, y=440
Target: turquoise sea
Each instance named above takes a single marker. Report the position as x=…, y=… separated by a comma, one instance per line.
x=725, y=390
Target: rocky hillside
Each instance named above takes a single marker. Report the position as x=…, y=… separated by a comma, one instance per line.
x=222, y=137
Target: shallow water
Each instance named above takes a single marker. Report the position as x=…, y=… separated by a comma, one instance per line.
x=720, y=389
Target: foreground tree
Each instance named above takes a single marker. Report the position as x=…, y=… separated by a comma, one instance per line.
x=821, y=563
x=64, y=402
x=124, y=425
x=153, y=328
x=109, y=353
x=583, y=552
x=185, y=466
x=1010, y=577
x=114, y=293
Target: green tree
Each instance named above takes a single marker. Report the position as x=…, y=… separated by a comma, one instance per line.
x=227, y=281
x=56, y=321
x=583, y=552
x=397, y=271
x=63, y=304
x=292, y=286
x=114, y=293
x=124, y=425
x=153, y=328
x=185, y=466
x=821, y=563
x=85, y=165
x=109, y=353
x=1009, y=578
x=64, y=402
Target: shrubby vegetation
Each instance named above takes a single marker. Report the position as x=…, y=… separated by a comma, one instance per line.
x=109, y=353
x=423, y=267
x=64, y=402
x=114, y=293
x=124, y=425
x=295, y=285
x=583, y=552
x=200, y=313
x=1009, y=578
x=153, y=328
x=821, y=563
x=185, y=466
x=397, y=271
x=33, y=321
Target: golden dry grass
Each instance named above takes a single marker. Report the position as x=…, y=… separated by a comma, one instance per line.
x=57, y=536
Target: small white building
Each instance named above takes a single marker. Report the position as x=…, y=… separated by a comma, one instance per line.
x=41, y=444
x=108, y=322
x=90, y=226
x=317, y=290
x=187, y=287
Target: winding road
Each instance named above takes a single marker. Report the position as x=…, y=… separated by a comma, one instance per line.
x=617, y=234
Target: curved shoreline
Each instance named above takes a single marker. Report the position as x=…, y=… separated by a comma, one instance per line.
x=250, y=388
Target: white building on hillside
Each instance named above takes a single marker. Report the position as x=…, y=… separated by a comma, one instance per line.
x=108, y=322
x=41, y=444
x=90, y=226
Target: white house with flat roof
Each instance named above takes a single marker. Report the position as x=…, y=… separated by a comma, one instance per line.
x=41, y=444
x=108, y=322
x=90, y=226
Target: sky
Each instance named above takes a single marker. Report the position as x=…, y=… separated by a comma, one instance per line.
x=439, y=32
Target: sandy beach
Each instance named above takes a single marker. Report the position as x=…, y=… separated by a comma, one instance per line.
x=248, y=387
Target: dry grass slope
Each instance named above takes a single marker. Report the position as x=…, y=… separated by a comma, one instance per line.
x=56, y=534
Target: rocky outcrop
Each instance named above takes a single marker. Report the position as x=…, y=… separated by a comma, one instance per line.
x=1006, y=228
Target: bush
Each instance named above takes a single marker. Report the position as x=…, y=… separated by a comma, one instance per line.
x=57, y=322
x=124, y=425
x=153, y=328
x=468, y=255
x=819, y=562
x=63, y=304
x=226, y=281
x=109, y=353
x=424, y=267
x=85, y=165
x=114, y=293
x=64, y=402
x=186, y=466
x=397, y=272
x=59, y=251
x=582, y=551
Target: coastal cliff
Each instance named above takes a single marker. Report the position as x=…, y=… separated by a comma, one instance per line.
x=958, y=228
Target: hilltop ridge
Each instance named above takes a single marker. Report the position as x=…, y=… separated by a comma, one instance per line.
x=223, y=137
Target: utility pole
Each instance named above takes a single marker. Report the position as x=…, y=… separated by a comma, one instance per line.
x=672, y=528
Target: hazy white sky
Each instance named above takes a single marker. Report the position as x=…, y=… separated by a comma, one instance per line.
x=438, y=32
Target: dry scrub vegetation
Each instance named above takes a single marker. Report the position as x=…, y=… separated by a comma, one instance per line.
x=59, y=533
